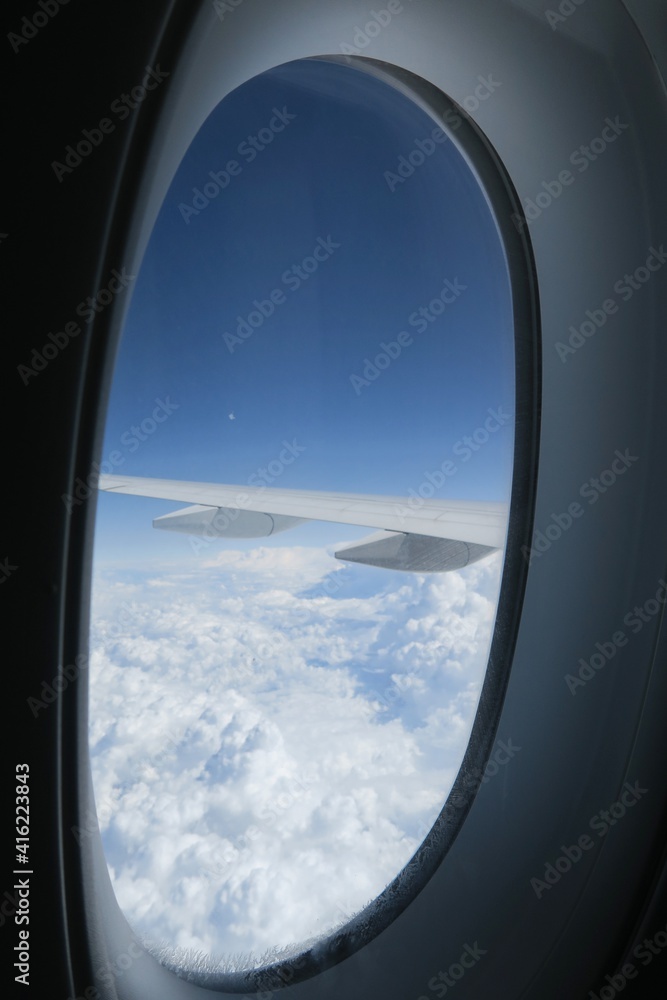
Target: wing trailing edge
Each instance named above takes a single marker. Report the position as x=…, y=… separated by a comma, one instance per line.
x=418, y=536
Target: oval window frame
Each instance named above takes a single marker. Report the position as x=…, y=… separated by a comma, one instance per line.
x=506, y=210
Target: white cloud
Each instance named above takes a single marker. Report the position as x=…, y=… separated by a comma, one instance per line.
x=271, y=736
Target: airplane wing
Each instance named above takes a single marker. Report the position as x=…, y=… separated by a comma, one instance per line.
x=415, y=535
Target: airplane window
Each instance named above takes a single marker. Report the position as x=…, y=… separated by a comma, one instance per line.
x=285, y=680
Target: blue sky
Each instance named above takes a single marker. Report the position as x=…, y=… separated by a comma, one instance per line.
x=322, y=177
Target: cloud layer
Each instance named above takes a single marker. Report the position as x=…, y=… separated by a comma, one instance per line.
x=272, y=735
